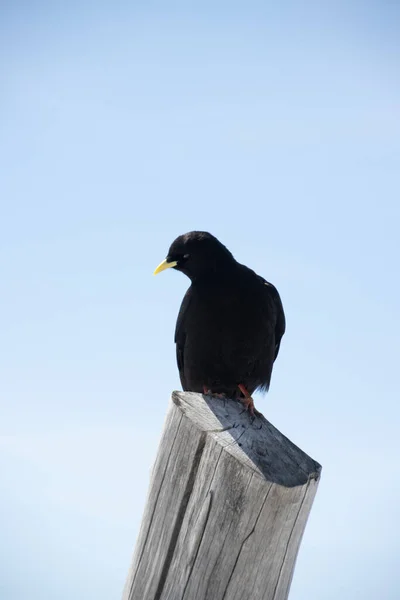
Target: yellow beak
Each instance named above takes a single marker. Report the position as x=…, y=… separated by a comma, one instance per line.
x=165, y=265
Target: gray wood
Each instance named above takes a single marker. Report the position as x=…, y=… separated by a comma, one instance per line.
x=227, y=506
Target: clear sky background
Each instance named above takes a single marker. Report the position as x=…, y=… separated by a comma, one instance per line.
x=275, y=126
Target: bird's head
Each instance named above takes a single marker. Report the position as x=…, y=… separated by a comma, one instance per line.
x=196, y=253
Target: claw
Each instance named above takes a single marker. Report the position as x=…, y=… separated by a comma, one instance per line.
x=248, y=401
x=248, y=404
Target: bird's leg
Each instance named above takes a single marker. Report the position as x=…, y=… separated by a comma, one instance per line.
x=208, y=392
x=247, y=401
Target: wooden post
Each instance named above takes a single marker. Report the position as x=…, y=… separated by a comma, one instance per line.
x=228, y=502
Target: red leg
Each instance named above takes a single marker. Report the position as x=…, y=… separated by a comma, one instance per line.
x=247, y=401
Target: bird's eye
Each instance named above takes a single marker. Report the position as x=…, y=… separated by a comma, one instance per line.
x=186, y=256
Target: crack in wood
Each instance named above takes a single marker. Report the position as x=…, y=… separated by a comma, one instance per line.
x=180, y=515
x=289, y=540
x=155, y=505
x=227, y=428
x=204, y=525
x=245, y=540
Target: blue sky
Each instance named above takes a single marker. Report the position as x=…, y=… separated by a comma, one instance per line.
x=277, y=128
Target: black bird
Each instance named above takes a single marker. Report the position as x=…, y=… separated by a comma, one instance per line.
x=230, y=323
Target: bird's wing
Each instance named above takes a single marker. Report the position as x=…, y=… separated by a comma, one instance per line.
x=280, y=325
x=180, y=335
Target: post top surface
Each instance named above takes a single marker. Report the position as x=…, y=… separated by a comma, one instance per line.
x=253, y=441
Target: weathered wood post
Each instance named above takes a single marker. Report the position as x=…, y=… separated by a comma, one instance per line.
x=228, y=502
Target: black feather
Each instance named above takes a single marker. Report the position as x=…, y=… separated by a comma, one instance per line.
x=230, y=323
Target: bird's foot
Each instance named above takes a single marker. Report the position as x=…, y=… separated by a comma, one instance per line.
x=208, y=392
x=248, y=401
x=248, y=404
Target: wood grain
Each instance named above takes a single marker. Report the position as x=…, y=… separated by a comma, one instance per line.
x=227, y=506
